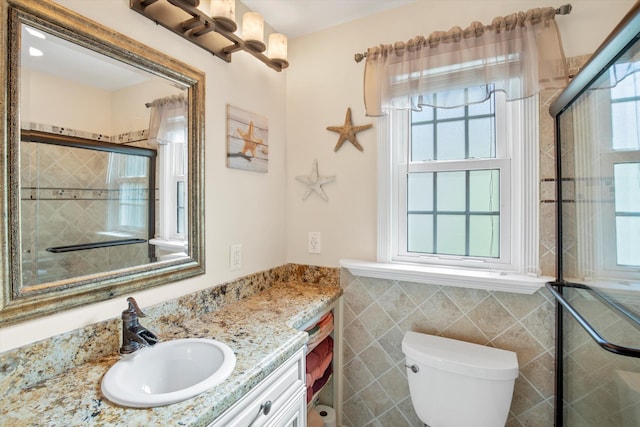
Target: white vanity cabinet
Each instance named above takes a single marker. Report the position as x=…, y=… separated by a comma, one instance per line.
x=279, y=400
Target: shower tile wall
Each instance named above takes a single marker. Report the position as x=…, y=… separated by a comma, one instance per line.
x=548, y=173
x=379, y=312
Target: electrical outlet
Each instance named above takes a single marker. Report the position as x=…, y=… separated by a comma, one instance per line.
x=235, y=257
x=315, y=243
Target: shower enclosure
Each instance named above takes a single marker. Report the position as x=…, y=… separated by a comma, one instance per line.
x=86, y=206
x=598, y=229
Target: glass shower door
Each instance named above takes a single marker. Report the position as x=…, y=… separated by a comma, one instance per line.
x=598, y=279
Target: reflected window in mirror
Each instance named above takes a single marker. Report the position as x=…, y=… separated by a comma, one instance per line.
x=167, y=129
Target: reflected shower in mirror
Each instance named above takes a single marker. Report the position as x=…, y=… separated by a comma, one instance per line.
x=88, y=169
x=88, y=210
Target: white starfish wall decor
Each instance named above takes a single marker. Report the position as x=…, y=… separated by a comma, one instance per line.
x=315, y=181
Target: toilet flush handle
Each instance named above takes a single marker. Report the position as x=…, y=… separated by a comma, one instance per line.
x=414, y=368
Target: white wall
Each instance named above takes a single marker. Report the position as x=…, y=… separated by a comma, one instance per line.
x=240, y=207
x=324, y=80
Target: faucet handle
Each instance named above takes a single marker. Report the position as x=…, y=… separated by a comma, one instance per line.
x=134, y=308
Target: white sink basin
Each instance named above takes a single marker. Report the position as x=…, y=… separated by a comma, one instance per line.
x=169, y=372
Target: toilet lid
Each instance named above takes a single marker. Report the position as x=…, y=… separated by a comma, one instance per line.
x=460, y=357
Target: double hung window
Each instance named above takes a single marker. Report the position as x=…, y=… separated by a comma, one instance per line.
x=458, y=182
x=458, y=187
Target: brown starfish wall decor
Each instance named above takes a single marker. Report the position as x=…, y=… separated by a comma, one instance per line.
x=250, y=141
x=348, y=132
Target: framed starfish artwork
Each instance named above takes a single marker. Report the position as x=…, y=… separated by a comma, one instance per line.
x=247, y=140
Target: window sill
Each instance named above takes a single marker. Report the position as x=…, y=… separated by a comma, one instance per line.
x=475, y=279
x=170, y=245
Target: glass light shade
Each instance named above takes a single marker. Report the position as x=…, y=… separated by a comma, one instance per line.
x=223, y=9
x=253, y=27
x=277, y=46
x=224, y=13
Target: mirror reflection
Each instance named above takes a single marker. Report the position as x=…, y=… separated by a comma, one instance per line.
x=89, y=166
x=102, y=179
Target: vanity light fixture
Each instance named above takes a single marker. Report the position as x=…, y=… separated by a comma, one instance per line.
x=216, y=33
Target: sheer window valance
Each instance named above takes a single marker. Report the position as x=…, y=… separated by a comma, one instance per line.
x=519, y=54
x=167, y=120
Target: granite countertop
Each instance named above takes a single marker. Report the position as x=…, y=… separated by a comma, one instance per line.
x=260, y=329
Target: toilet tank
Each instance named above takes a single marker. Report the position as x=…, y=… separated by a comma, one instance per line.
x=458, y=383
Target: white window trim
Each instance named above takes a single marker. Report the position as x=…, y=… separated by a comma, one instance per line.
x=524, y=279
x=175, y=245
x=446, y=276
x=168, y=198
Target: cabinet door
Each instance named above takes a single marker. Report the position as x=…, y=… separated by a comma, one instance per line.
x=275, y=392
x=294, y=414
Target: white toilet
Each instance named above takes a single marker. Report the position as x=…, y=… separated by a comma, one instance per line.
x=458, y=384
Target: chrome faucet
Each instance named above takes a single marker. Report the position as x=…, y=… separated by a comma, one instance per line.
x=134, y=335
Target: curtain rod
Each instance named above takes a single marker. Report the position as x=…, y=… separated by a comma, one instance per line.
x=565, y=9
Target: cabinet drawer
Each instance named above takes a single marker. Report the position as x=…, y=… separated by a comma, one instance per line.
x=278, y=389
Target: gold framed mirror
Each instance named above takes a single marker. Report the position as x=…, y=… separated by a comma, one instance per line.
x=102, y=163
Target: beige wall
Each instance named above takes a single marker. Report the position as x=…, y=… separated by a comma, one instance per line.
x=51, y=100
x=324, y=80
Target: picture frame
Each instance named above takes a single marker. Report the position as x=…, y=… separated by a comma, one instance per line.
x=247, y=140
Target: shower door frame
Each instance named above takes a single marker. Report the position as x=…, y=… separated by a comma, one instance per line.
x=621, y=38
